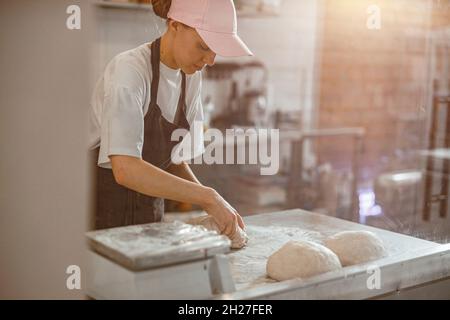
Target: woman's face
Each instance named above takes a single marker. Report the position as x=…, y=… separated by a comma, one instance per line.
x=190, y=52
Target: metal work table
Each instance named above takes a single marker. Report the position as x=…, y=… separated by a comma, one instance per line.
x=414, y=268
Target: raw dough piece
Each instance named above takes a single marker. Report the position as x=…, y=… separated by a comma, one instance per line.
x=239, y=238
x=301, y=259
x=354, y=247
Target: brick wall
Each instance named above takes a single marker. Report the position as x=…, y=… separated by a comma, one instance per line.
x=377, y=79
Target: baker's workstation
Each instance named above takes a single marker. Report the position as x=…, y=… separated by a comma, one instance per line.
x=175, y=260
x=223, y=150
x=338, y=204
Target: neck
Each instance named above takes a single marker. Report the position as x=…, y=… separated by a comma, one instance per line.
x=166, y=52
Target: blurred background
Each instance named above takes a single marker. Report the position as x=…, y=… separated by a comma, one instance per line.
x=360, y=91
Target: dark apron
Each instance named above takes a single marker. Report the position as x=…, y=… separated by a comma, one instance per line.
x=119, y=206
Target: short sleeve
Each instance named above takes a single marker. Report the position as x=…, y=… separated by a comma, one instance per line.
x=122, y=127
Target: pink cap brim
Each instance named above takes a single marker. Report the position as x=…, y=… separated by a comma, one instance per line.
x=225, y=44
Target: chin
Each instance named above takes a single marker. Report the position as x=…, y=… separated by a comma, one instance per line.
x=190, y=70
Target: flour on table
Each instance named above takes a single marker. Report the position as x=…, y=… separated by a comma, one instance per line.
x=238, y=239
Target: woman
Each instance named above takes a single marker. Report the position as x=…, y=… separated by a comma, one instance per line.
x=143, y=96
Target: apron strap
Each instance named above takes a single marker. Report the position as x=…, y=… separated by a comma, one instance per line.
x=180, y=115
x=155, y=50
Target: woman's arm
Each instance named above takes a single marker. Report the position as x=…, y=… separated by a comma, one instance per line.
x=143, y=177
x=183, y=170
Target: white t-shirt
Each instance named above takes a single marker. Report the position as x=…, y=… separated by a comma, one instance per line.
x=121, y=99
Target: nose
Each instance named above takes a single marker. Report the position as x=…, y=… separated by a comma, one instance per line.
x=209, y=58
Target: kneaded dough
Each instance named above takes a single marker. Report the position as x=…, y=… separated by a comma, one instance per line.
x=301, y=259
x=238, y=239
x=355, y=247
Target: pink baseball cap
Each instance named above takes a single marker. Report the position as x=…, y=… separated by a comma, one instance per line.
x=215, y=22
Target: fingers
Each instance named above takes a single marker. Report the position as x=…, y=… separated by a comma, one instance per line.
x=230, y=226
x=226, y=217
x=240, y=222
x=227, y=229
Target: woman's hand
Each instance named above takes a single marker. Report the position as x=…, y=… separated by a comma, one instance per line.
x=226, y=216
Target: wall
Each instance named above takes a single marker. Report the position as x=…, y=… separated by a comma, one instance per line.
x=44, y=191
x=120, y=30
x=376, y=79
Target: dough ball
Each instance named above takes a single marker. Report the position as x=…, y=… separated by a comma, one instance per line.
x=238, y=239
x=301, y=259
x=355, y=247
